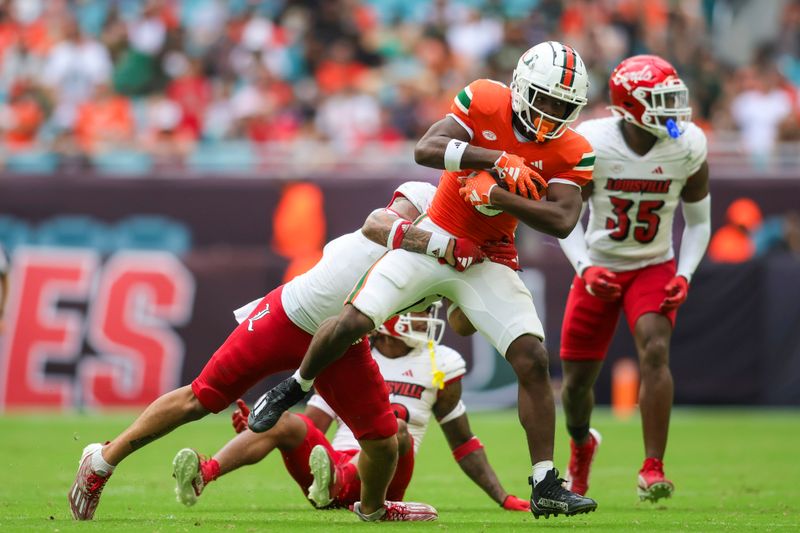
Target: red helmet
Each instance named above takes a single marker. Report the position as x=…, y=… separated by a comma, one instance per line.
x=647, y=91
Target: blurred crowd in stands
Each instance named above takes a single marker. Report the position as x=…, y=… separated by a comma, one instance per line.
x=163, y=82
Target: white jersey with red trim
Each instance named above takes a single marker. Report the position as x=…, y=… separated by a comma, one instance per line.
x=633, y=202
x=319, y=294
x=411, y=391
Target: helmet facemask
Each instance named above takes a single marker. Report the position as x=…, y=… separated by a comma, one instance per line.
x=667, y=101
x=542, y=125
x=416, y=331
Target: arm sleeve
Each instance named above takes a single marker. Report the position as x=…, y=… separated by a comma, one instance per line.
x=574, y=246
x=698, y=149
x=696, y=235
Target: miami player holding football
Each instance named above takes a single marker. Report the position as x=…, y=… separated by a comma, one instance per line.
x=521, y=133
x=273, y=336
x=424, y=379
x=650, y=156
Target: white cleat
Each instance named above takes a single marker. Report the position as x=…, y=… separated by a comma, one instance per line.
x=319, y=462
x=400, y=512
x=189, y=482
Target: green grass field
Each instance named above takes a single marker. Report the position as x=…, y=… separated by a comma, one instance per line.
x=734, y=470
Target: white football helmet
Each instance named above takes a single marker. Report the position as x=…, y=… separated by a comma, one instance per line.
x=553, y=69
x=416, y=330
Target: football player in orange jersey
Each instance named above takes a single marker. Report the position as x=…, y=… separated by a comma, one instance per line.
x=522, y=134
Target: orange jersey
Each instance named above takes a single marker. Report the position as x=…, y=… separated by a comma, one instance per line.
x=484, y=109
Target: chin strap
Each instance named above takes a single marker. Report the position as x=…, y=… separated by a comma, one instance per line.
x=438, y=375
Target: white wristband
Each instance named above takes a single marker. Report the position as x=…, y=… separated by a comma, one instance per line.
x=393, y=232
x=453, y=154
x=437, y=245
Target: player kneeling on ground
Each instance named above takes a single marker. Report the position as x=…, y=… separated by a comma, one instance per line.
x=649, y=157
x=424, y=379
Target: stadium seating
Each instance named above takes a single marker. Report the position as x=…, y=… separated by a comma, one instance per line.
x=13, y=232
x=32, y=162
x=228, y=156
x=123, y=162
x=74, y=231
x=152, y=232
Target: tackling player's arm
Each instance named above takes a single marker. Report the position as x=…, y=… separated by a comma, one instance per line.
x=467, y=449
x=318, y=417
x=696, y=206
x=554, y=215
x=392, y=227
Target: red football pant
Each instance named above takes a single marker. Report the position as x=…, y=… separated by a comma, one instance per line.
x=589, y=322
x=296, y=461
x=257, y=348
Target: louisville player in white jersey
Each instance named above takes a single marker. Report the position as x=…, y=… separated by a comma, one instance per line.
x=649, y=156
x=424, y=380
x=522, y=133
x=273, y=337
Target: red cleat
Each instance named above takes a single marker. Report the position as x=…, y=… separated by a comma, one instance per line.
x=400, y=512
x=580, y=463
x=652, y=484
x=84, y=496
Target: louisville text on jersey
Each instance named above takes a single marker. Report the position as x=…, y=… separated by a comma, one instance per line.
x=638, y=185
x=410, y=390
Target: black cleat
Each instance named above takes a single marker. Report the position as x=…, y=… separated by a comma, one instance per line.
x=549, y=497
x=269, y=408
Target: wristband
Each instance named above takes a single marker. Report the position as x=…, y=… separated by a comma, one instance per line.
x=437, y=245
x=453, y=154
x=467, y=448
x=397, y=233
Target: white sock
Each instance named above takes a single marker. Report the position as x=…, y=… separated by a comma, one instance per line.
x=541, y=469
x=305, y=384
x=100, y=466
x=372, y=517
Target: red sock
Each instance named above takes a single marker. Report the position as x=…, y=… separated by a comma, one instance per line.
x=210, y=470
x=348, y=484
